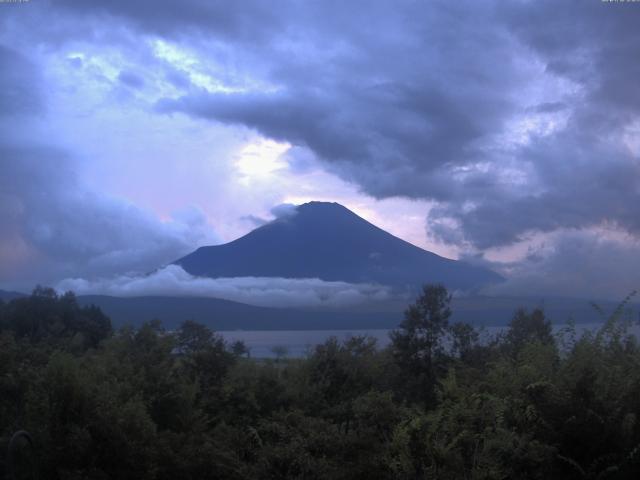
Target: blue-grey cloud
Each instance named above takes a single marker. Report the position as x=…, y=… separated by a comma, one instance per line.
x=250, y=20
x=131, y=79
x=19, y=84
x=284, y=210
x=573, y=264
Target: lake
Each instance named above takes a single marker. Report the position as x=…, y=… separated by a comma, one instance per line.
x=300, y=342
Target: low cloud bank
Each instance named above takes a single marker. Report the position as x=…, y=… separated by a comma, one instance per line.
x=172, y=280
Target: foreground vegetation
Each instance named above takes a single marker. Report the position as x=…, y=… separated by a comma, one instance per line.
x=437, y=403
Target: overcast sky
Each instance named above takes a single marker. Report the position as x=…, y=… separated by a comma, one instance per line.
x=503, y=133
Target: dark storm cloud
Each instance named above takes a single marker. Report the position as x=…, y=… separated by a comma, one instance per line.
x=249, y=20
x=402, y=107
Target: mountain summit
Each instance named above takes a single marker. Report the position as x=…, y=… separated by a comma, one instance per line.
x=330, y=242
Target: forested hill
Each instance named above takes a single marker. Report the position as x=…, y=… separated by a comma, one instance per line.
x=9, y=295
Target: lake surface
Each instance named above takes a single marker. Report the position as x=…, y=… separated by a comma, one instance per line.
x=298, y=343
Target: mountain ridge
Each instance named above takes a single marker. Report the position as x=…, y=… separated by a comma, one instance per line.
x=226, y=315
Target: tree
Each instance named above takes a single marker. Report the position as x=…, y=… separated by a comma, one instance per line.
x=417, y=345
x=204, y=354
x=58, y=320
x=280, y=352
x=194, y=337
x=527, y=328
x=464, y=338
x=240, y=349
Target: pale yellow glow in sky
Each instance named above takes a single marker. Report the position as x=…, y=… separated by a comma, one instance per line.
x=260, y=158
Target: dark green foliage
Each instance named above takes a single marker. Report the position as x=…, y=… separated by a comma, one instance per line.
x=204, y=354
x=438, y=403
x=57, y=320
x=418, y=345
x=239, y=348
x=526, y=328
x=464, y=341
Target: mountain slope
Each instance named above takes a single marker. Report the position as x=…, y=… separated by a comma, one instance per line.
x=224, y=315
x=10, y=295
x=328, y=241
x=221, y=314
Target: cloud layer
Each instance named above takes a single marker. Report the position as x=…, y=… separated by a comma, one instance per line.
x=172, y=280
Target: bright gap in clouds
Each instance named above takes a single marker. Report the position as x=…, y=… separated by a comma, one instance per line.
x=192, y=66
x=260, y=158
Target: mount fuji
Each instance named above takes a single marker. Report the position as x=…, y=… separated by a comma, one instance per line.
x=330, y=242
